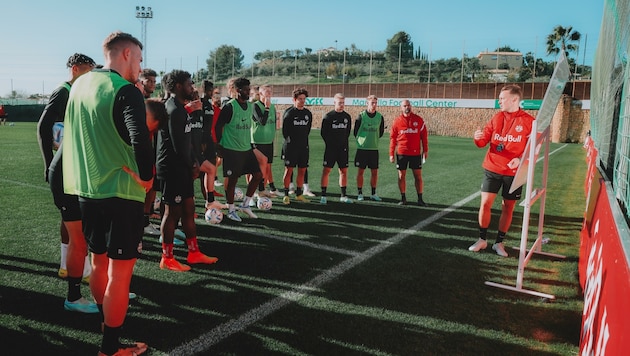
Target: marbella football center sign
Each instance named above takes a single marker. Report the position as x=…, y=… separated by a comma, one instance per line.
x=417, y=103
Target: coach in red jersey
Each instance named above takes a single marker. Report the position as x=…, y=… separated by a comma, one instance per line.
x=408, y=139
x=507, y=134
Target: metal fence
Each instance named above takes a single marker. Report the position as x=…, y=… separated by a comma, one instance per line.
x=610, y=107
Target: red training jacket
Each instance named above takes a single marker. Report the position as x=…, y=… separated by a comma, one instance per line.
x=406, y=136
x=512, y=130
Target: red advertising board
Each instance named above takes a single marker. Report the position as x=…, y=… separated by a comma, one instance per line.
x=605, y=280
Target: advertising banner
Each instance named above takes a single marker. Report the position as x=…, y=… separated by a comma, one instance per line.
x=605, y=279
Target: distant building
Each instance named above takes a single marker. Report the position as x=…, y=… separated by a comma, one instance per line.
x=499, y=60
x=326, y=51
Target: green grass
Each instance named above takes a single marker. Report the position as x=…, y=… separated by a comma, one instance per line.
x=367, y=278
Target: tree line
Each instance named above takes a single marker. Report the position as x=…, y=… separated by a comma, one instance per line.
x=400, y=61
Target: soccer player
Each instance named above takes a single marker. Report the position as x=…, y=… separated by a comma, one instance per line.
x=368, y=128
x=233, y=130
x=263, y=134
x=146, y=83
x=147, y=78
x=335, y=132
x=409, y=140
x=296, y=126
x=208, y=158
x=177, y=168
x=75, y=262
x=157, y=118
x=3, y=115
x=108, y=163
x=506, y=134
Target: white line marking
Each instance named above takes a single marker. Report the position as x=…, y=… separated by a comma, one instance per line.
x=552, y=152
x=25, y=184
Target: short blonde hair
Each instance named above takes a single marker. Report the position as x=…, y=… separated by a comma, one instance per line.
x=514, y=90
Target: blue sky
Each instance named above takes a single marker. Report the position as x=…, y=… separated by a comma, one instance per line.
x=38, y=36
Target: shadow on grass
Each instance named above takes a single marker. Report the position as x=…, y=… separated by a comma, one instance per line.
x=423, y=295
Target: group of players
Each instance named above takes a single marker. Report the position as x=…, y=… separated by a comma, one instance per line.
x=118, y=144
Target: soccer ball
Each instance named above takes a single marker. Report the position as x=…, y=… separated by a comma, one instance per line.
x=57, y=132
x=214, y=216
x=264, y=203
x=238, y=194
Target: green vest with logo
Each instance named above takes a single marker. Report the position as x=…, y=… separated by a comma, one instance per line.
x=369, y=131
x=265, y=133
x=94, y=153
x=237, y=133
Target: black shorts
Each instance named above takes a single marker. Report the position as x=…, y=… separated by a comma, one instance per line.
x=492, y=182
x=266, y=149
x=67, y=204
x=338, y=155
x=404, y=161
x=113, y=226
x=295, y=155
x=237, y=163
x=366, y=159
x=176, y=187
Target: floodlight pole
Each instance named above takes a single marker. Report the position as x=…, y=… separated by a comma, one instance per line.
x=143, y=14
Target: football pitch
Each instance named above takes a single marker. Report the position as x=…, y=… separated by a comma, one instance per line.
x=369, y=278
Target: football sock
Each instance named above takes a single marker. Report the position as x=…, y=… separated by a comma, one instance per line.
x=343, y=191
x=299, y=191
x=360, y=190
x=500, y=236
x=167, y=250
x=403, y=197
x=324, y=191
x=210, y=197
x=74, y=288
x=110, y=342
x=483, y=232
x=261, y=186
x=420, y=197
x=373, y=190
x=192, y=244
x=272, y=187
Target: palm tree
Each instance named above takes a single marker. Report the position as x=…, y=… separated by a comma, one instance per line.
x=561, y=38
